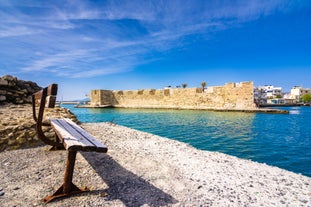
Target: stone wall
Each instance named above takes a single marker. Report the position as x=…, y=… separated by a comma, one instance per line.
x=232, y=96
x=16, y=91
x=17, y=127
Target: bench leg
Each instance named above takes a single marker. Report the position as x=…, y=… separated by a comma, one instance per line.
x=57, y=147
x=68, y=188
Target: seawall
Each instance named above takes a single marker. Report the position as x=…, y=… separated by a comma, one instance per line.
x=230, y=97
x=234, y=96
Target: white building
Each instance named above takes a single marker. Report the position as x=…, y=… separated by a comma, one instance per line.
x=297, y=92
x=272, y=92
x=264, y=93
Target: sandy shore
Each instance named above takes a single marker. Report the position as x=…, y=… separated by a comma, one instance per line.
x=142, y=169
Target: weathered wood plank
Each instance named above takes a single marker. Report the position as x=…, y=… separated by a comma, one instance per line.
x=74, y=137
x=66, y=138
x=50, y=101
x=52, y=89
x=71, y=138
x=90, y=138
x=51, y=92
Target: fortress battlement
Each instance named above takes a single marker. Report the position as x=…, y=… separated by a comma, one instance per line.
x=231, y=96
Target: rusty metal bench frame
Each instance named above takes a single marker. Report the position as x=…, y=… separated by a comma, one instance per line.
x=69, y=136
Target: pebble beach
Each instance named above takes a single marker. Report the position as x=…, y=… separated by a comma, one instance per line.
x=141, y=169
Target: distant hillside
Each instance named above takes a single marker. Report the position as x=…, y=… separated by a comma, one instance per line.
x=83, y=100
x=78, y=100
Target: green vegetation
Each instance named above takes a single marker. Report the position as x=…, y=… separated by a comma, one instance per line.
x=306, y=98
x=184, y=85
x=203, y=84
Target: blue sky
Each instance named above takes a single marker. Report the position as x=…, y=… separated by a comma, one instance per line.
x=84, y=45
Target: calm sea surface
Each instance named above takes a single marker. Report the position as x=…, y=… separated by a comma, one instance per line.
x=282, y=140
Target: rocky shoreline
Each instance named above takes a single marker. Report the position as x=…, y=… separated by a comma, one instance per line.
x=17, y=127
x=13, y=90
x=141, y=169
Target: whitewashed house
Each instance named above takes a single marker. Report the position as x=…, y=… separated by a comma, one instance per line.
x=264, y=94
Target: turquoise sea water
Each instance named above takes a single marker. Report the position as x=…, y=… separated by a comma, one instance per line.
x=282, y=140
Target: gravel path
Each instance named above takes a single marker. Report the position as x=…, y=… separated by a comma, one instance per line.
x=142, y=169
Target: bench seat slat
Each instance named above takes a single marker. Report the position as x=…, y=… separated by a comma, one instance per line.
x=76, y=138
x=71, y=136
x=90, y=138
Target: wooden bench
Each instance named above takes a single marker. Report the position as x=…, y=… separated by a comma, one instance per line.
x=69, y=136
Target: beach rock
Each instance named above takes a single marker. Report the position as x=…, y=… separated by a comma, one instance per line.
x=3, y=82
x=13, y=90
x=17, y=127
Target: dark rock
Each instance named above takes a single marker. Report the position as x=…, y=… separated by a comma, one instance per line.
x=16, y=91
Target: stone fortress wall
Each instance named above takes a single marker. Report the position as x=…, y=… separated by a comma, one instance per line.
x=231, y=96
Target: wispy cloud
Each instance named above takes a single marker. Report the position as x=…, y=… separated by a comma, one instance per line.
x=90, y=39
x=98, y=72
x=51, y=61
x=16, y=31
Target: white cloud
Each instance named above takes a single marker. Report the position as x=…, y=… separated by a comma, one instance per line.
x=90, y=39
x=51, y=61
x=98, y=72
x=86, y=63
x=16, y=31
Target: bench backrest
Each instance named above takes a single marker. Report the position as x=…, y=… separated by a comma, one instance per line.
x=47, y=96
x=41, y=99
